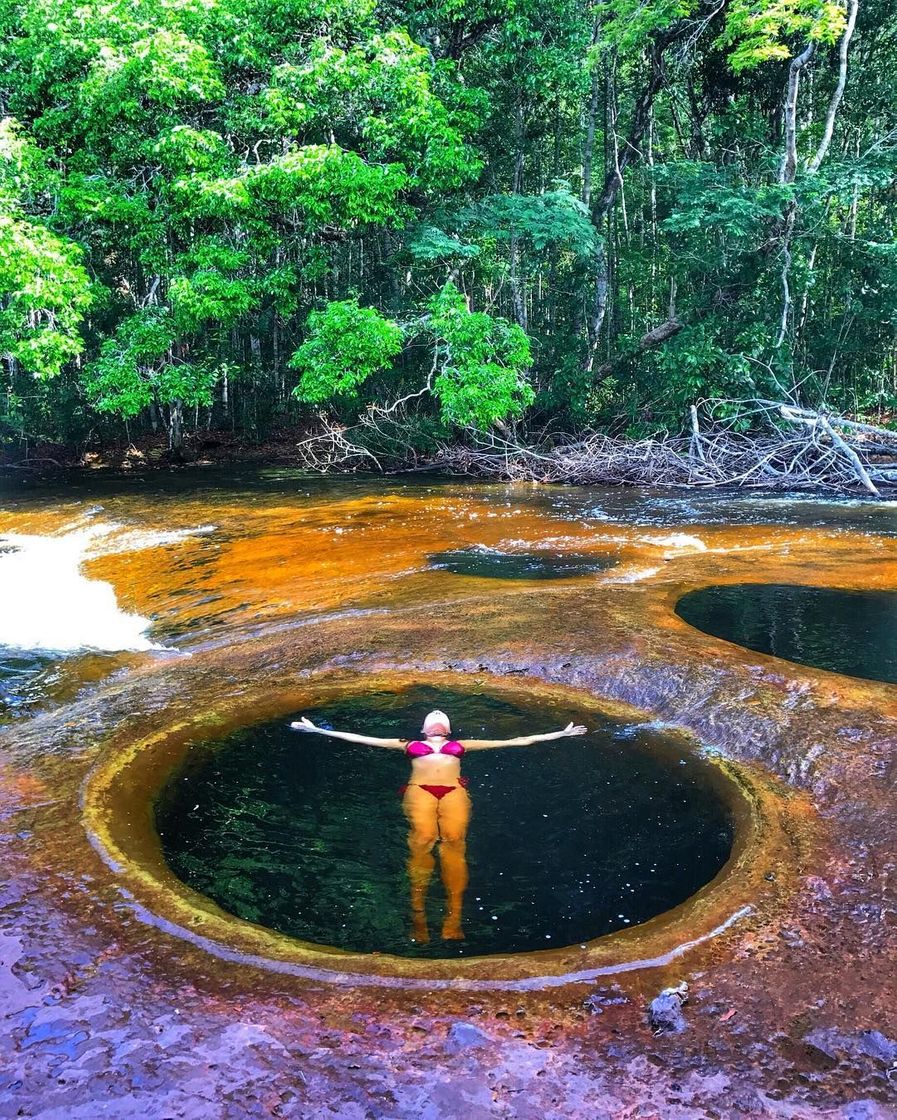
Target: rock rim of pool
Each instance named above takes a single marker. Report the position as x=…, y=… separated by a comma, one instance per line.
x=117, y=807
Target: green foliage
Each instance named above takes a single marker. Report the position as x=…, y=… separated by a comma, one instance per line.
x=483, y=363
x=25, y=177
x=553, y=218
x=427, y=243
x=193, y=191
x=631, y=22
x=764, y=30
x=482, y=360
x=346, y=344
x=210, y=292
x=44, y=294
x=166, y=69
x=182, y=149
x=322, y=183
x=709, y=198
x=45, y=290
x=380, y=94
x=138, y=366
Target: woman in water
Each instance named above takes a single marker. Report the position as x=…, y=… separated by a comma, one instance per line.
x=437, y=805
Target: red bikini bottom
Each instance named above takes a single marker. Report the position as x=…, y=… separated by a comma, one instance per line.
x=437, y=791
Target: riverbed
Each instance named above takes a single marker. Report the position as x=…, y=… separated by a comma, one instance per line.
x=147, y=617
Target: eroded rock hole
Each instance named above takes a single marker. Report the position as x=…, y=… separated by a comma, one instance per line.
x=851, y=632
x=567, y=840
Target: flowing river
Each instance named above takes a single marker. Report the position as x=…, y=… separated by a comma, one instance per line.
x=101, y=567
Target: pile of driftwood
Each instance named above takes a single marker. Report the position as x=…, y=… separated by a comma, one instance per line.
x=767, y=444
x=757, y=443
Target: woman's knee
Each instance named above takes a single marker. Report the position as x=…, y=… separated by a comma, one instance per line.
x=453, y=838
x=422, y=840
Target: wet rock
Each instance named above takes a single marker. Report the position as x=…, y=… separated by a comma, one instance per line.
x=665, y=1012
x=876, y=1045
x=792, y=937
x=465, y=1036
x=864, y=1044
x=867, y=1110
x=602, y=998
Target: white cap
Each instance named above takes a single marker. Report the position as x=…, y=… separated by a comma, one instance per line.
x=437, y=719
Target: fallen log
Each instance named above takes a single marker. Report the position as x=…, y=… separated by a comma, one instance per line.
x=813, y=420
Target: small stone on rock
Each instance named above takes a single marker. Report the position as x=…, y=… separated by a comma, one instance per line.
x=665, y=1012
x=465, y=1036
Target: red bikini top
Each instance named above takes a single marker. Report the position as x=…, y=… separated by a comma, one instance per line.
x=417, y=749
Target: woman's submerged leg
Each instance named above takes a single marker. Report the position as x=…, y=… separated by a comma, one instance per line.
x=453, y=816
x=420, y=808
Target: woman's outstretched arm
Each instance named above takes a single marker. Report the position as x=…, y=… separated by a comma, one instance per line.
x=526, y=740
x=350, y=737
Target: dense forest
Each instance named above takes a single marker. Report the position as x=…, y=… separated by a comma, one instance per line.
x=562, y=215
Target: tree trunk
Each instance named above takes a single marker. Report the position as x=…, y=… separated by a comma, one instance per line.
x=517, y=297
x=787, y=173
x=599, y=304
x=589, y=146
x=789, y=114
x=835, y=102
x=613, y=178
x=176, y=430
x=650, y=341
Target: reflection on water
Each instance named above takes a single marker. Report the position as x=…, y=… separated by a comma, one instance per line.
x=568, y=840
x=489, y=563
x=852, y=632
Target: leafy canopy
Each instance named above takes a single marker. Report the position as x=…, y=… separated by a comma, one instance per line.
x=483, y=363
x=45, y=290
x=765, y=30
x=482, y=360
x=346, y=344
x=137, y=367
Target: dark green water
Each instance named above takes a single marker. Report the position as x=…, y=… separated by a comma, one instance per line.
x=568, y=840
x=852, y=632
x=489, y=563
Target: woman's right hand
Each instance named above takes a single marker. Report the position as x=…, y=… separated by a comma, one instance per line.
x=303, y=724
x=575, y=729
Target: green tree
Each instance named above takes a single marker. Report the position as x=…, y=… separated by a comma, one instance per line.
x=573, y=212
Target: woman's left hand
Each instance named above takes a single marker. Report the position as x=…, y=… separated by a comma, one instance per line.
x=303, y=724
x=575, y=729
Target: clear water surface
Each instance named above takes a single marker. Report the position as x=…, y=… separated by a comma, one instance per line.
x=844, y=631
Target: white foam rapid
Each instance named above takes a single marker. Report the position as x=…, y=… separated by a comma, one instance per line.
x=47, y=603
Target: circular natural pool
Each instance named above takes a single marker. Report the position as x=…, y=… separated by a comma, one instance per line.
x=851, y=632
x=568, y=840
x=491, y=563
